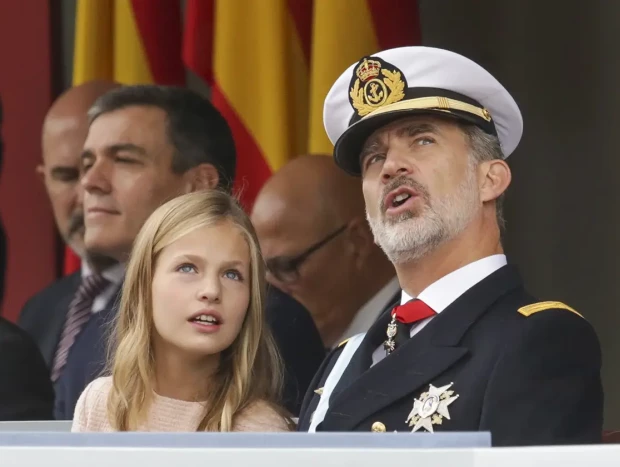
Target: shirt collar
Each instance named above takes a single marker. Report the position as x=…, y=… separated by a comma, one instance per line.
x=114, y=274
x=446, y=290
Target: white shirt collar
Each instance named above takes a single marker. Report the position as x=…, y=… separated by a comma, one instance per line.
x=368, y=314
x=446, y=290
x=114, y=274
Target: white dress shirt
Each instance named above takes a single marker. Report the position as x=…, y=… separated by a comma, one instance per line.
x=368, y=314
x=439, y=295
x=114, y=275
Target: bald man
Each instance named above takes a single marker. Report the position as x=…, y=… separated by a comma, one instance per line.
x=311, y=224
x=64, y=131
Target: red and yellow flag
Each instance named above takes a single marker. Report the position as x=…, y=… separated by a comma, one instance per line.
x=343, y=31
x=255, y=56
x=270, y=64
x=128, y=41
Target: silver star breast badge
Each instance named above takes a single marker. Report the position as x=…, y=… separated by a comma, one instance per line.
x=431, y=408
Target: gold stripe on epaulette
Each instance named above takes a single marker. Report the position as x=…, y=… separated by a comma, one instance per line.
x=343, y=342
x=529, y=310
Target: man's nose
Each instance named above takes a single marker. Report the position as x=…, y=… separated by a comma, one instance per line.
x=96, y=178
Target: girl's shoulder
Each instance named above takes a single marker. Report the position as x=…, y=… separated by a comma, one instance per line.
x=263, y=416
x=90, y=410
x=97, y=390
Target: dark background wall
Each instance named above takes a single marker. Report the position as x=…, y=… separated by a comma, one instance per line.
x=25, y=87
x=561, y=62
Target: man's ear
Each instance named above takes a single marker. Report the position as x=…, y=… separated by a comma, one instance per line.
x=360, y=241
x=40, y=170
x=203, y=177
x=495, y=179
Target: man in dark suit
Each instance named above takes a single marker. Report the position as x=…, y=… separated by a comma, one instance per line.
x=299, y=343
x=466, y=348
x=25, y=389
x=145, y=145
x=311, y=224
x=64, y=132
x=26, y=392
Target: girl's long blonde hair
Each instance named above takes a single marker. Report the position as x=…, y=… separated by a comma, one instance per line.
x=250, y=369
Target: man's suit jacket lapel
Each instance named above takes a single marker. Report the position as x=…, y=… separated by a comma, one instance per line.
x=416, y=363
x=363, y=357
x=50, y=339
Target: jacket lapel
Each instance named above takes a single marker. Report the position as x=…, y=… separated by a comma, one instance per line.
x=419, y=361
x=362, y=359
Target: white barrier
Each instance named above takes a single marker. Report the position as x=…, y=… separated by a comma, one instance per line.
x=57, y=425
x=286, y=450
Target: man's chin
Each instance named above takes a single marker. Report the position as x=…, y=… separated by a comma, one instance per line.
x=406, y=218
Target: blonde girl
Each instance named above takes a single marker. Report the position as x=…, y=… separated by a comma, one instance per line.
x=191, y=350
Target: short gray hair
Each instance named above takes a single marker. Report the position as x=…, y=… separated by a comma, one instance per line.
x=486, y=147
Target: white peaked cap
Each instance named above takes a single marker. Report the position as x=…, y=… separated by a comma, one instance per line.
x=395, y=83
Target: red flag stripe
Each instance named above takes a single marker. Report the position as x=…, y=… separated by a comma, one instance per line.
x=159, y=23
x=301, y=12
x=251, y=165
x=198, y=38
x=71, y=261
x=397, y=23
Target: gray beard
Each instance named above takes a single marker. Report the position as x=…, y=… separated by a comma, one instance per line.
x=411, y=237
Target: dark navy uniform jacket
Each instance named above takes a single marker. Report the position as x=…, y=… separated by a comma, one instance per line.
x=528, y=372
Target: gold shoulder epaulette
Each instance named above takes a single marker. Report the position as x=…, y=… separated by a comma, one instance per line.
x=343, y=342
x=529, y=310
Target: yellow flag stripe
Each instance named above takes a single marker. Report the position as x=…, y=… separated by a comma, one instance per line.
x=130, y=59
x=92, y=55
x=108, y=44
x=260, y=69
x=342, y=33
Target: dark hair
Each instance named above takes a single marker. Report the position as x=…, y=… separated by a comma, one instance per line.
x=198, y=132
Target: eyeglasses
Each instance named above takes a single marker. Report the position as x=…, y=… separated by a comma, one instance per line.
x=286, y=268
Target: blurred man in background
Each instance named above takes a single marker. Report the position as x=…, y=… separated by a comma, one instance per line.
x=25, y=389
x=318, y=247
x=44, y=316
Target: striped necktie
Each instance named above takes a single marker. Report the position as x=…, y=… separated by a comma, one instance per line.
x=80, y=310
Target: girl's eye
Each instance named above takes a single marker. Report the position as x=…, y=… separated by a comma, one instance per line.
x=186, y=268
x=233, y=275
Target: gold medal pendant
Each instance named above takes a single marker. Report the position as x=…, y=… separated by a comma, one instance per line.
x=389, y=345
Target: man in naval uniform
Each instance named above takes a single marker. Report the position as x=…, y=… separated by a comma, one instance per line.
x=466, y=348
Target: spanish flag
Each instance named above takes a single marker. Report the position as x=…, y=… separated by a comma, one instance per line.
x=270, y=64
x=128, y=41
x=254, y=54
x=343, y=31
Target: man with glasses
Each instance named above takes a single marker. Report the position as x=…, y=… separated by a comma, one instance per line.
x=318, y=247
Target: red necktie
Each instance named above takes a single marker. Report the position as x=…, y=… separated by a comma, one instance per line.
x=413, y=311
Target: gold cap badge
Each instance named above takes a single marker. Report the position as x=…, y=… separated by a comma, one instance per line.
x=375, y=83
